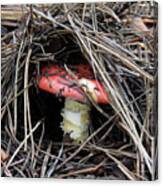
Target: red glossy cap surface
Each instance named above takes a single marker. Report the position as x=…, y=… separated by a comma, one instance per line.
x=58, y=81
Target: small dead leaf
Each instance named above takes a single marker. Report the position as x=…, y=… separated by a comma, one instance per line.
x=138, y=24
x=4, y=155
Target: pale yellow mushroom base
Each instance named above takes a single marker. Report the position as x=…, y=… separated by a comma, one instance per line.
x=76, y=120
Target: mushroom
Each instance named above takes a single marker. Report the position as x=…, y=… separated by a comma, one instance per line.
x=76, y=112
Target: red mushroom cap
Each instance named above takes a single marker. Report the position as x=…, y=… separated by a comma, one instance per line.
x=58, y=81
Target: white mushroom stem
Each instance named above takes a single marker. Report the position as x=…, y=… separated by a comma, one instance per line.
x=76, y=119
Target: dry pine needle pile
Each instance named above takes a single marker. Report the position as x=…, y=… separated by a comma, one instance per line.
x=119, y=42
